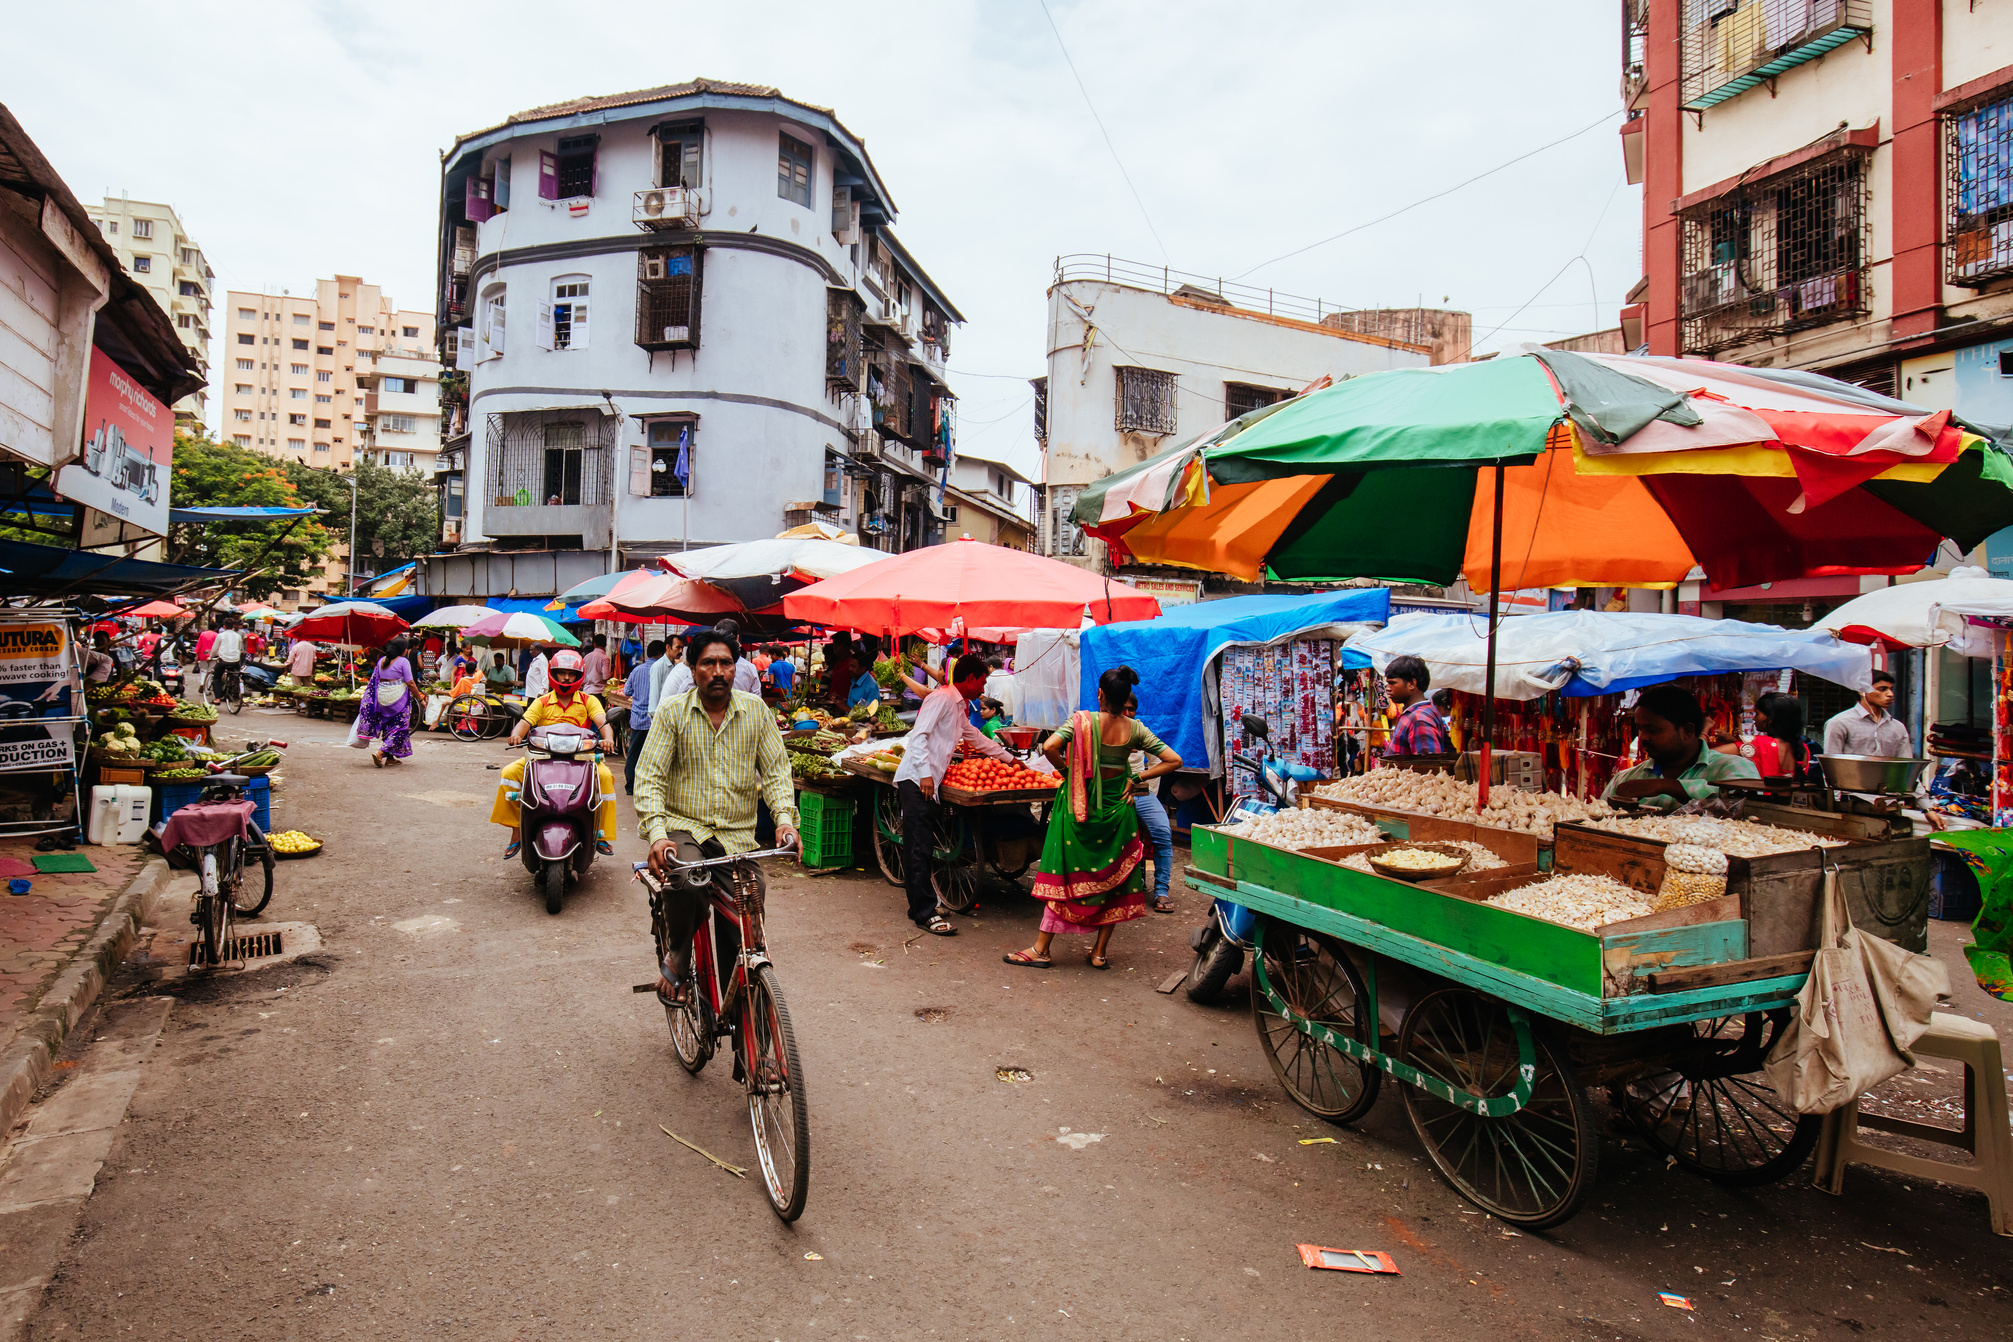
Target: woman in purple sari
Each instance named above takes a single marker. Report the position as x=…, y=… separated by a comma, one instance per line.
x=386, y=709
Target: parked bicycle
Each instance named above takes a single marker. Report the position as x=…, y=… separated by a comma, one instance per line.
x=480, y=717
x=226, y=891
x=731, y=991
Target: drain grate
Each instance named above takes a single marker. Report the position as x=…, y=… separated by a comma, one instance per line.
x=254, y=947
x=930, y=1015
x=1013, y=1074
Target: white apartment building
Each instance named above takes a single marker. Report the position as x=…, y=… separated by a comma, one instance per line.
x=330, y=378
x=165, y=261
x=677, y=316
x=1141, y=358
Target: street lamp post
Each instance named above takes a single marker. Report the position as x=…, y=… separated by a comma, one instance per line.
x=350, y=563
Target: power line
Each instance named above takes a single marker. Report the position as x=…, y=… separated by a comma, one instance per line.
x=1581, y=257
x=1605, y=117
x=1107, y=134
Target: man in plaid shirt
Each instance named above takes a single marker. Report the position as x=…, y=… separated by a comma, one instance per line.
x=1418, y=730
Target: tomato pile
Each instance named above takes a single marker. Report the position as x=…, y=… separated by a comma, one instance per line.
x=990, y=775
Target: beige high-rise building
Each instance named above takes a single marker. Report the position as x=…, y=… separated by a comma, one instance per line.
x=159, y=253
x=329, y=379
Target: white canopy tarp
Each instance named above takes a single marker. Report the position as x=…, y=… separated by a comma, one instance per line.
x=1927, y=614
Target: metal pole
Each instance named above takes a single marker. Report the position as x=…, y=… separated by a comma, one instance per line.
x=1495, y=596
x=352, y=530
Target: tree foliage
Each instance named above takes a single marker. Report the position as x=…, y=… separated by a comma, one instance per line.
x=398, y=511
x=209, y=474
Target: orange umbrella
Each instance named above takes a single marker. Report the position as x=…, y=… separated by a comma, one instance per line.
x=1564, y=529
x=662, y=597
x=1232, y=533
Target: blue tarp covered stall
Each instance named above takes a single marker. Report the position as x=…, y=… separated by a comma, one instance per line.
x=53, y=571
x=236, y=514
x=1175, y=655
x=537, y=605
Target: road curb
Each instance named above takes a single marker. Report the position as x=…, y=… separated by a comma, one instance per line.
x=27, y=1059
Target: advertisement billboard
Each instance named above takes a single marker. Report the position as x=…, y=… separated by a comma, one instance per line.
x=128, y=450
x=37, y=684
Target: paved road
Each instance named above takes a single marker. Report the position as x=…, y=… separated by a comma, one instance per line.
x=448, y=1125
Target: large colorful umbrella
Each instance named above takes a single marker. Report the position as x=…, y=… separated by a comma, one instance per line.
x=162, y=610
x=659, y=598
x=452, y=617
x=521, y=626
x=760, y=573
x=353, y=624
x=967, y=584
x=1616, y=471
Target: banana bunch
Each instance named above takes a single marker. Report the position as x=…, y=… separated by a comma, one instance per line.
x=292, y=841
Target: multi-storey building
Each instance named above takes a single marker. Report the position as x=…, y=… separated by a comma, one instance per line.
x=165, y=261
x=329, y=379
x=677, y=316
x=988, y=500
x=1143, y=357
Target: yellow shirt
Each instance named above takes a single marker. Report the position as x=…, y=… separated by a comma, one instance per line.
x=705, y=782
x=546, y=710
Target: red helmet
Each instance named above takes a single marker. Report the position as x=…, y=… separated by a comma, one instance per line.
x=566, y=668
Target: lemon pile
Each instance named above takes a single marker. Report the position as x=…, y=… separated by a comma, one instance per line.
x=293, y=841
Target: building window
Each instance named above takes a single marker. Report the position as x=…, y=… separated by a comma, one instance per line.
x=324, y=375
x=564, y=443
x=1241, y=398
x=301, y=345
x=569, y=173
x=325, y=326
x=1040, y=385
x=190, y=289
x=321, y=447
x=323, y=424
x=301, y=420
x=324, y=400
x=398, y=423
x=1145, y=401
x=188, y=256
x=1729, y=46
x=569, y=312
x=671, y=458
x=248, y=340
x=410, y=332
x=793, y=170
x=247, y=314
x=185, y=320
x=843, y=347
x=325, y=350
x=302, y=319
x=537, y=457
x=492, y=323
x=143, y=228
x=298, y=369
x=1065, y=537
x=1776, y=255
x=246, y=365
x=367, y=330
x=297, y=444
x=297, y=393
x=241, y=439
x=243, y=416
x=667, y=297
x=1978, y=192
x=244, y=389
x=143, y=264
x=678, y=153
x=112, y=226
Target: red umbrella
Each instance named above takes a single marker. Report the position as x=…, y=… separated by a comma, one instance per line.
x=662, y=597
x=355, y=624
x=159, y=609
x=971, y=583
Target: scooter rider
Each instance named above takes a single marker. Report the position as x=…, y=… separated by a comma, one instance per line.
x=563, y=704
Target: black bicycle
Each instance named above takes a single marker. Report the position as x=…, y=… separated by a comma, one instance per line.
x=225, y=894
x=228, y=684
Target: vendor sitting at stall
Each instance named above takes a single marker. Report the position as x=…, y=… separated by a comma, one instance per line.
x=1680, y=767
x=563, y=704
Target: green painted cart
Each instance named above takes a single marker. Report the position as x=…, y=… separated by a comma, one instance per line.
x=1500, y=1024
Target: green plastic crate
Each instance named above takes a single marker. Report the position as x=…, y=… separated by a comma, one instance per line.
x=826, y=824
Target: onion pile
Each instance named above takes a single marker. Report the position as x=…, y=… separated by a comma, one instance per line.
x=1308, y=828
x=1444, y=795
x=1479, y=858
x=1738, y=838
x=1585, y=902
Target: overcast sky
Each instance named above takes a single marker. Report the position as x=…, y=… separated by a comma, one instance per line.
x=298, y=139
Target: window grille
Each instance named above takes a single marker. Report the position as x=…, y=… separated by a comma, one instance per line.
x=1978, y=192
x=667, y=297
x=535, y=456
x=1240, y=398
x=889, y=390
x=1065, y=537
x=1729, y=46
x=1145, y=401
x=1776, y=255
x=576, y=165
x=843, y=350
x=937, y=331
x=1635, y=36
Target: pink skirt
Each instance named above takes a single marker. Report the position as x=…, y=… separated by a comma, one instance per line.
x=1123, y=908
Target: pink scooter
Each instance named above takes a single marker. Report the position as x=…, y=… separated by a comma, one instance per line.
x=558, y=807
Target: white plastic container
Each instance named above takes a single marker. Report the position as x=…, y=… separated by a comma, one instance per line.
x=119, y=813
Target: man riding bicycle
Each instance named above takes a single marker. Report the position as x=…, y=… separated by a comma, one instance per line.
x=711, y=752
x=228, y=655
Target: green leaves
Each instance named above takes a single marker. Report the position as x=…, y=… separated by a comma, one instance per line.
x=209, y=474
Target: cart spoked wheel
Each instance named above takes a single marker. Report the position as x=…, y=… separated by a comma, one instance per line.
x=957, y=867
x=468, y=718
x=1714, y=1114
x=1319, y=985
x=888, y=834
x=1531, y=1168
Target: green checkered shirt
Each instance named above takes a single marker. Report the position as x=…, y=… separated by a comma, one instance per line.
x=705, y=782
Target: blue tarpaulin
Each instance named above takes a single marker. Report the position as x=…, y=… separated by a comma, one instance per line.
x=48, y=571
x=245, y=514
x=536, y=605
x=1171, y=654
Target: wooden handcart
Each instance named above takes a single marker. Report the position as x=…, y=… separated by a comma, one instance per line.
x=974, y=834
x=1499, y=1024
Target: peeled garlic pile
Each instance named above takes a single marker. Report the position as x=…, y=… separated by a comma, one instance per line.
x=1693, y=874
x=1309, y=828
x=1444, y=795
x=1479, y=858
x=1739, y=838
x=1585, y=902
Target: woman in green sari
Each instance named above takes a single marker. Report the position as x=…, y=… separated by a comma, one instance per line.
x=1089, y=879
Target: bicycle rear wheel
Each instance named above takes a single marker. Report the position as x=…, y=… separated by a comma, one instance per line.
x=234, y=691
x=776, y=1105
x=248, y=900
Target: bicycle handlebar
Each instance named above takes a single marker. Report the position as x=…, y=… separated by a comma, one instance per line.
x=671, y=859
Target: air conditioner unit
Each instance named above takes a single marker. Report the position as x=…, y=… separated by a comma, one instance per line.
x=862, y=417
x=666, y=207
x=905, y=323
x=677, y=334
x=868, y=446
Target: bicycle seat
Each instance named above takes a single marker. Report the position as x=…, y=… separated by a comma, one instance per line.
x=226, y=780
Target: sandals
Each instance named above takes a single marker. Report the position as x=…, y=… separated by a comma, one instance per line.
x=515, y=844
x=1026, y=961
x=939, y=926
x=676, y=994
x=376, y=759
x=605, y=848
x=1099, y=962
x=1163, y=903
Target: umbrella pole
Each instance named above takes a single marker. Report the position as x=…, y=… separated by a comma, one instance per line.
x=1489, y=674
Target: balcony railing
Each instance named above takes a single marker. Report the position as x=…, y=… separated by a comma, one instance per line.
x=1728, y=48
x=1209, y=289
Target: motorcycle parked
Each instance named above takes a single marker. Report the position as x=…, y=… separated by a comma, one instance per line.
x=1220, y=944
x=557, y=808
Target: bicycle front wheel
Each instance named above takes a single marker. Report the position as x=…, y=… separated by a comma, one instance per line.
x=776, y=1105
x=215, y=912
x=254, y=891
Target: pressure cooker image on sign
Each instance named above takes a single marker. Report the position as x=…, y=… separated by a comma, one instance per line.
x=110, y=457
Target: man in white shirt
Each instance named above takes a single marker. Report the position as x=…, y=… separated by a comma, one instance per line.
x=536, y=682
x=660, y=670
x=227, y=651
x=1868, y=728
x=679, y=678
x=941, y=722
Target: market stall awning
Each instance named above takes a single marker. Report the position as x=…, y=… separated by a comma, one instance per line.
x=354, y=624
x=1589, y=652
x=536, y=605
x=1926, y=614
x=761, y=573
x=50, y=571
x=236, y=514
x=985, y=588
x=1173, y=654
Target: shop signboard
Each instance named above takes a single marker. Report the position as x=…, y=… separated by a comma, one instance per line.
x=128, y=451
x=1169, y=591
x=39, y=694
